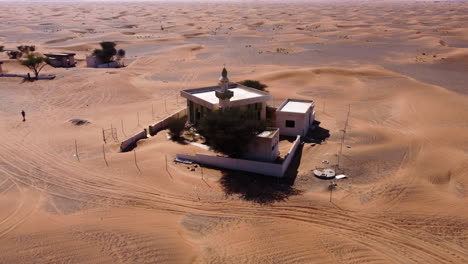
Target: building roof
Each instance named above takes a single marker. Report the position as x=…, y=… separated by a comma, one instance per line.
x=295, y=106
x=242, y=95
x=60, y=54
x=268, y=133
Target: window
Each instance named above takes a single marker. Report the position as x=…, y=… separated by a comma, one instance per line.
x=290, y=123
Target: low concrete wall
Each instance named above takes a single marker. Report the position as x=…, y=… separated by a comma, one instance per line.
x=265, y=168
x=130, y=143
x=13, y=75
x=155, y=128
x=290, y=155
x=112, y=64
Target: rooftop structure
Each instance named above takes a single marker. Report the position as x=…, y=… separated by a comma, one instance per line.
x=225, y=95
x=294, y=117
x=264, y=147
x=296, y=106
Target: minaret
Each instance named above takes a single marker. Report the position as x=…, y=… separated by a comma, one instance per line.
x=224, y=94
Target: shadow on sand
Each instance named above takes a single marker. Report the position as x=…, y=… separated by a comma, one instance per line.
x=317, y=135
x=262, y=189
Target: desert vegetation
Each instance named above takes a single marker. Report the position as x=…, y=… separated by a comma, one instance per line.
x=108, y=53
x=176, y=128
x=230, y=130
x=254, y=84
x=21, y=50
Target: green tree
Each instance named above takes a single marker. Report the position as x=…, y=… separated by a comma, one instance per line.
x=120, y=55
x=36, y=62
x=229, y=131
x=254, y=84
x=176, y=127
x=14, y=54
x=108, y=53
x=26, y=49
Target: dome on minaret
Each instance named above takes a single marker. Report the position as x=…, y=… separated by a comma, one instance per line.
x=224, y=77
x=224, y=94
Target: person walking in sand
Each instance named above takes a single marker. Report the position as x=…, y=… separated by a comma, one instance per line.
x=24, y=115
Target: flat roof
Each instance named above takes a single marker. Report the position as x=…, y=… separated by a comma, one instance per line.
x=239, y=94
x=59, y=54
x=269, y=132
x=295, y=106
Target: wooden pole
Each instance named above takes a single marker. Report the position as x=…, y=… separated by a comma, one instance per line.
x=165, y=158
x=103, y=136
x=136, y=164
x=76, y=151
x=167, y=169
x=112, y=132
x=138, y=118
x=122, y=125
x=343, y=137
x=104, y=155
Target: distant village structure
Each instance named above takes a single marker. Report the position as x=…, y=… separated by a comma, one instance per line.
x=94, y=62
x=64, y=60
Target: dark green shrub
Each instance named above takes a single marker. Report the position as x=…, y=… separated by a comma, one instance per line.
x=254, y=84
x=229, y=131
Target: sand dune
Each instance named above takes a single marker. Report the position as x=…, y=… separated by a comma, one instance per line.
x=399, y=67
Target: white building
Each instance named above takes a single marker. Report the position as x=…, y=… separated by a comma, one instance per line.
x=295, y=116
x=200, y=101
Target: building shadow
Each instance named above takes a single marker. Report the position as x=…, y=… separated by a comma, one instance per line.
x=262, y=189
x=293, y=170
x=317, y=135
x=257, y=188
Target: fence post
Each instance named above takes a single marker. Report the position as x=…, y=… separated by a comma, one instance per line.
x=104, y=154
x=121, y=124
x=76, y=151
x=138, y=118
x=136, y=164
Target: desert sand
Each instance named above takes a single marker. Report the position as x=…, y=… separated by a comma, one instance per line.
x=400, y=67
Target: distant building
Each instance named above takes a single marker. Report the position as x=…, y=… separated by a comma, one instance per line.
x=225, y=95
x=65, y=60
x=294, y=117
x=94, y=62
